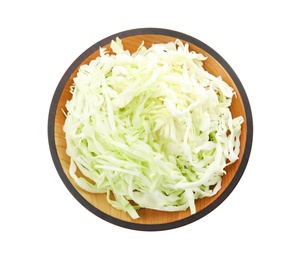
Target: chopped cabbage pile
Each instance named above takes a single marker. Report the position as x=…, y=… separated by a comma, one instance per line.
x=151, y=129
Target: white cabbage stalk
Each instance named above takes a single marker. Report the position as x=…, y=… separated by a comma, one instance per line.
x=152, y=128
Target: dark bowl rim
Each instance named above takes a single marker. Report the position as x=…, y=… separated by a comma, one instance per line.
x=137, y=226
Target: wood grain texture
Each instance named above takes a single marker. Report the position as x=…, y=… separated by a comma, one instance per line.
x=148, y=216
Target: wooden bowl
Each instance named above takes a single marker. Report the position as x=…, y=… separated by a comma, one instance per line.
x=151, y=220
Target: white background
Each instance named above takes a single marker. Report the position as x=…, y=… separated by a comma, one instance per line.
x=40, y=219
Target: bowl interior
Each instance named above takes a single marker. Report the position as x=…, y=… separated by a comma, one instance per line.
x=98, y=202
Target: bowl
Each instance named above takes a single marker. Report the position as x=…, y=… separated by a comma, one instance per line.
x=150, y=220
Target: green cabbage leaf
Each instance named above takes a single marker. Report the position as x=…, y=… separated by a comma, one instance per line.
x=151, y=129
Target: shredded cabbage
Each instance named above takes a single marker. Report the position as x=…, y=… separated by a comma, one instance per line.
x=152, y=129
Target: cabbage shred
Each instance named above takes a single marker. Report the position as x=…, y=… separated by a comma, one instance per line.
x=151, y=129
